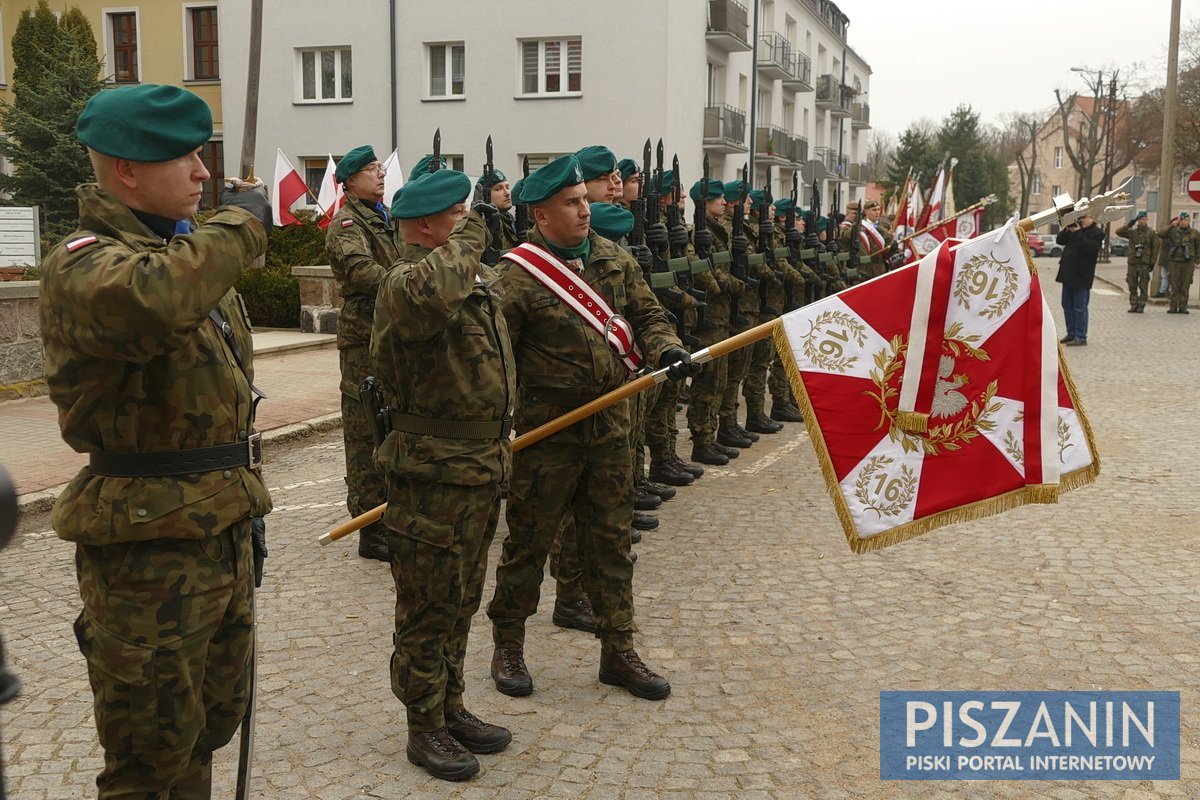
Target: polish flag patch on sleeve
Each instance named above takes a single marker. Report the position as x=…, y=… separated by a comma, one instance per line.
x=346, y=223
x=80, y=243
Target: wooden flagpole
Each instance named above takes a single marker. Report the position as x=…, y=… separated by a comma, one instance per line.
x=987, y=201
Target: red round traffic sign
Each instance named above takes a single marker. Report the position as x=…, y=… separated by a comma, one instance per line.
x=1193, y=186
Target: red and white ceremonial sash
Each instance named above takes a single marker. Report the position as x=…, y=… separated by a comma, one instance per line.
x=548, y=270
x=874, y=238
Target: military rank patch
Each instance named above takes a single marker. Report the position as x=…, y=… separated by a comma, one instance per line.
x=346, y=223
x=81, y=242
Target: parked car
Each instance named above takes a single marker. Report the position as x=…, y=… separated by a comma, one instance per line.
x=1036, y=245
x=1118, y=246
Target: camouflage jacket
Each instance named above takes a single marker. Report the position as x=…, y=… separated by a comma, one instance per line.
x=1181, y=244
x=555, y=348
x=1143, y=244
x=361, y=248
x=135, y=365
x=508, y=232
x=441, y=351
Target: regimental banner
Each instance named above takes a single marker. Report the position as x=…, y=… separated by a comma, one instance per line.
x=988, y=420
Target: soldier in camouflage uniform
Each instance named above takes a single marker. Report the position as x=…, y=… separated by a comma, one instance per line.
x=1143, y=250
x=1181, y=248
x=600, y=174
x=631, y=179
x=140, y=369
x=583, y=471
x=499, y=194
x=441, y=352
x=362, y=244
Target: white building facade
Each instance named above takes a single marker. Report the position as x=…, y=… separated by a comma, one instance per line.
x=544, y=79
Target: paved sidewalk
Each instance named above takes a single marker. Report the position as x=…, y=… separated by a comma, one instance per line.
x=297, y=371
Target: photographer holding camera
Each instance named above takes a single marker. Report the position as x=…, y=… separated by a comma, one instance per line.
x=1081, y=243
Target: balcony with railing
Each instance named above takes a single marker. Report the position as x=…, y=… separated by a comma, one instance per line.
x=860, y=115
x=859, y=173
x=775, y=59
x=725, y=129
x=727, y=26
x=773, y=144
x=834, y=164
x=799, y=151
x=833, y=97
x=801, y=78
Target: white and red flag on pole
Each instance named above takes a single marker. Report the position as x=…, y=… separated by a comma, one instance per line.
x=331, y=196
x=932, y=211
x=287, y=190
x=393, y=178
x=937, y=393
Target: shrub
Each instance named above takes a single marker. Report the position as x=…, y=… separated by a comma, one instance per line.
x=272, y=293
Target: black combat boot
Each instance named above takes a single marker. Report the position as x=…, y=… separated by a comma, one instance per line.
x=577, y=615
x=657, y=489
x=708, y=453
x=695, y=470
x=441, y=755
x=644, y=522
x=635, y=535
x=373, y=543
x=728, y=436
x=671, y=474
x=644, y=500
x=753, y=437
x=510, y=673
x=759, y=422
x=785, y=412
x=730, y=452
x=475, y=734
x=629, y=672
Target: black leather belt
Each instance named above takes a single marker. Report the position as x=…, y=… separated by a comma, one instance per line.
x=451, y=428
x=180, y=462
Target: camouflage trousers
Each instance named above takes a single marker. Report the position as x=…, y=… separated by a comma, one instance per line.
x=1137, y=278
x=765, y=373
x=438, y=540
x=708, y=388
x=640, y=406
x=167, y=630
x=582, y=475
x=366, y=486
x=564, y=565
x=1180, y=282
x=739, y=367
x=662, y=431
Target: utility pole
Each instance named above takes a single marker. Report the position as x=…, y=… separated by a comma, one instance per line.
x=1110, y=121
x=250, y=124
x=753, y=91
x=1166, y=170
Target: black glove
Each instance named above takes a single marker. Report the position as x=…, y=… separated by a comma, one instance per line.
x=678, y=236
x=258, y=540
x=490, y=214
x=703, y=239
x=794, y=238
x=642, y=254
x=739, y=245
x=657, y=236
x=480, y=194
x=679, y=364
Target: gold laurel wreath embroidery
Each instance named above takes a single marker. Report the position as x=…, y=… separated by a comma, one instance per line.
x=950, y=436
x=1013, y=448
x=907, y=488
x=1064, y=439
x=853, y=327
x=983, y=265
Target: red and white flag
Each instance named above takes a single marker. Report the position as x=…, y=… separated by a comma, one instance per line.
x=286, y=192
x=393, y=178
x=331, y=196
x=937, y=393
x=932, y=211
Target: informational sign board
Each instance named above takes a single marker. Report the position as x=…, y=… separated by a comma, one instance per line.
x=20, y=236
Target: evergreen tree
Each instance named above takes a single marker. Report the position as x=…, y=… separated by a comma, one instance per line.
x=981, y=169
x=918, y=152
x=56, y=70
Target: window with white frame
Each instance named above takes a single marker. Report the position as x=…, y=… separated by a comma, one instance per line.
x=3, y=44
x=1058, y=158
x=1055, y=190
x=121, y=44
x=1036, y=188
x=447, y=69
x=324, y=75
x=202, y=62
x=551, y=67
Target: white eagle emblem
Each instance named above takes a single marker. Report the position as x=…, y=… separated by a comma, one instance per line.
x=947, y=401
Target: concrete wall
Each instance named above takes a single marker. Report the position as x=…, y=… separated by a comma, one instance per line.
x=21, y=367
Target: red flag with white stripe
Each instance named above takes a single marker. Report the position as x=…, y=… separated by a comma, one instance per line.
x=287, y=190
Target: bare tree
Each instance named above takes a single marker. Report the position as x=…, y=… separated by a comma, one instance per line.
x=1090, y=130
x=1018, y=142
x=880, y=149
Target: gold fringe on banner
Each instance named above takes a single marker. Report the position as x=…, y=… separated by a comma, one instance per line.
x=912, y=421
x=1045, y=493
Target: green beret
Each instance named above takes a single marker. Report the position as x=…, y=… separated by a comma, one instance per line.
x=1140, y=215
x=596, y=161
x=516, y=190
x=423, y=165
x=756, y=197
x=430, y=193
x=628, y=168
x=545, y=182
x=144, y=123
x=1184, y=215
x=783, y=205
x=668, y=183
x=733, y=191
x=497, y=177
x=823, y=223
x=715, y=188
x=610, y=221
x=354, y=161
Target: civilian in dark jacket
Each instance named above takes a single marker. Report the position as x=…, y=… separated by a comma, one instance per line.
x=1076, y=270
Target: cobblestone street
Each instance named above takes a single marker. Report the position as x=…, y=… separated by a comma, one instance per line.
x=777, y=640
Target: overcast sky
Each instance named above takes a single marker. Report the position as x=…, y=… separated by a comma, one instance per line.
x=929, y=57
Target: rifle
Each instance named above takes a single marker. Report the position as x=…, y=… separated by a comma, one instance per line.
x=681, y=267
x=793, y=252
x=522, y=222
x=738, y=261
x=814, y=248
x=773, y=276
x=855, y=245
x=435, y=162
x=660, y=277
x=491, y=253
x=637, y=236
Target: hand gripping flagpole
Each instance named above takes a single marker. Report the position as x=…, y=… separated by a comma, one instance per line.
x=713, y=351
